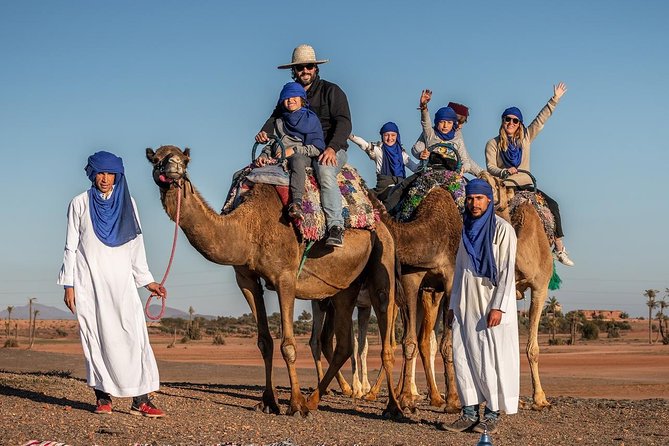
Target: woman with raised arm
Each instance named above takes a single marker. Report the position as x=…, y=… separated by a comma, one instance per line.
x=510, y=151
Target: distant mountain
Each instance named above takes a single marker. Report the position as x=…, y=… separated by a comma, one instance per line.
x=52, y=313
x=45, y=313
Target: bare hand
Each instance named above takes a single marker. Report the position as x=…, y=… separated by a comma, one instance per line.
x=449, y=318
x=425, y=97
x=70, y=300
x=328, y=157
x=494, y=318
x=262, y=137
x=559, y=90
x=512, y=170
x=261, y=160
x=425, y=154
x=157, y=289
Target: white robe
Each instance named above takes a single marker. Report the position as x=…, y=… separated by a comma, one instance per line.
x=119, y=359
x=487, y=361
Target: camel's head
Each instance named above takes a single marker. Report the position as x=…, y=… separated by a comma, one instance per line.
x=502, y=194
x=169, y=165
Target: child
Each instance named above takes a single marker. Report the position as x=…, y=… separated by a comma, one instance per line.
x=301, y=133
x=390, y=158
x=445, y=130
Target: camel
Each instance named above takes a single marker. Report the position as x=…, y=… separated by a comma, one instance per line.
x=426, y=248
x=258, y=241
x=534, y=268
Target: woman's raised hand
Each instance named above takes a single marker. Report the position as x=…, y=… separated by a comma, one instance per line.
x=425, y=97
x=559, y=90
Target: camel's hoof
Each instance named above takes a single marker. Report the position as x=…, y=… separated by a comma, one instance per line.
x=542, y=406
x=393, y=414
x=266, y=408
x=347, y=392
x=370, y=397
x=437, y=402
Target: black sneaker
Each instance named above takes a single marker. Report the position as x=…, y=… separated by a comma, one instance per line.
x=488, y=425
x=335, y=237
x=461, y=424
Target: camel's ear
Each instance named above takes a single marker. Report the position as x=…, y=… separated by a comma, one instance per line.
x=150, y=154
x=187, y=152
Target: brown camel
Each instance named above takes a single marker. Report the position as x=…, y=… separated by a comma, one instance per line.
x=426, y=248
x=260, y=243
x=534, y=268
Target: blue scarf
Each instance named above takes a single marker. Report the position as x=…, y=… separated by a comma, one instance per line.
x=513, y=155
x=302, y=123
x=114, y=220
x=392, y=163
x=445, y=114
x=478, y=233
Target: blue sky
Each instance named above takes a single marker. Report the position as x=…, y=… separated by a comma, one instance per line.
x=79, y=76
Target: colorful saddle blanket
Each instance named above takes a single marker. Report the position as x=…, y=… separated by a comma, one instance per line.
x=450, y=180
x=539, y=202
x=357, y=210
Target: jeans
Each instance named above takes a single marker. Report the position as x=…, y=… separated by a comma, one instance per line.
x=472, y=412
x=330, y=194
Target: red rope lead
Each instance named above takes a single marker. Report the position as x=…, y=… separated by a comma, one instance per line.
x=167, y=271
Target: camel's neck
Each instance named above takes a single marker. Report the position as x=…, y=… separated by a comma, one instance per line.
x=220, y=239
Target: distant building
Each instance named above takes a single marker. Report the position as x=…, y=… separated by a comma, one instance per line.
x=610, y=315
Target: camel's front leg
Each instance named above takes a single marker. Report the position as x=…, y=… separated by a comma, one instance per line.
x=286, y=293
x=430, y=301
x=446, y=348
x=536, y=306
x=318, y=311
x=364, y=314
x=253, y=293
x=411, y=283
x=344, y=302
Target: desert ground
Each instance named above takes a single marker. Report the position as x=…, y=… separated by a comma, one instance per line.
x=608, y=391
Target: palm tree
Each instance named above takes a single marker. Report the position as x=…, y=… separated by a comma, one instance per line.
x=32, y=331
x=30, y=320
x=662, y=319
x=652, y=304
x=552, y=308
x=10, y=308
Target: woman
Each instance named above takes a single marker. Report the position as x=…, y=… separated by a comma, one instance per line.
x=510, y=151
x=302, y=136
x=390, y=158
x=446, y=129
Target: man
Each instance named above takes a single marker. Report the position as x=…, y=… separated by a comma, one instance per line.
x=329, y=103
x=483, y=316
x=103, y=264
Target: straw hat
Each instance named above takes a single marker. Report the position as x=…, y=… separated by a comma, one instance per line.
x=302, y=55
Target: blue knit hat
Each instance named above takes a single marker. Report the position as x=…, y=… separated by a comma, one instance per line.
x=445, y=114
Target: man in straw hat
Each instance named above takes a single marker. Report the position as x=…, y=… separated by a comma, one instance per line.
x=482, y=313
x=329, y=102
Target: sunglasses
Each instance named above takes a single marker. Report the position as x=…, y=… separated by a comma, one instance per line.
x=309, y=66
x=510, y=119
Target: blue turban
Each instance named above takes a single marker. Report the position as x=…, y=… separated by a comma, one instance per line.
x=392, y=163
x=446, y=114
x=292, y=90
x=478, y=233
x=114, y=220
x=515, y=111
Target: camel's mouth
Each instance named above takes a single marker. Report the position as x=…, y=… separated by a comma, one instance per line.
x=164, y=179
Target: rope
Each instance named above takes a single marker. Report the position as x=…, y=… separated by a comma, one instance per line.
x=167, y=271
x=304, y=257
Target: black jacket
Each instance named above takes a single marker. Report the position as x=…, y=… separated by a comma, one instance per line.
x=329, y=103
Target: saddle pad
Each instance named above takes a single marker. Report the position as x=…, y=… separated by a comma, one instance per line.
x=450, y=180
x=539, y=202
x=357, y=210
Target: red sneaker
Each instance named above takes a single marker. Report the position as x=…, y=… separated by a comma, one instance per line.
x=147, y=410
x=103, y=408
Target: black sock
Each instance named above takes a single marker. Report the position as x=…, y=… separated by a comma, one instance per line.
x=102, y=397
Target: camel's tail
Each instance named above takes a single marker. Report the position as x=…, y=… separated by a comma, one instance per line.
x=555, y=281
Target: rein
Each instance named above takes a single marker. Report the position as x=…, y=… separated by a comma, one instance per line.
x=169, y=265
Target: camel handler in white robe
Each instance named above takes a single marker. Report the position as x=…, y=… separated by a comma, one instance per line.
x=483, y=317
x=103, y=265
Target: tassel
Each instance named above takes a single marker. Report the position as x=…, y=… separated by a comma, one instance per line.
x=555, y=281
